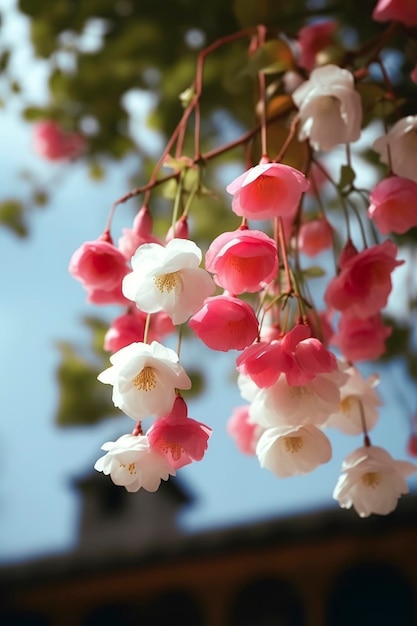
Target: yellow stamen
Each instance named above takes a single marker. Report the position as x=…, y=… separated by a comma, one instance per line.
x=131, y=468
x=167, y=282
x=293, y=444
x=371, y=479
x=146, y=379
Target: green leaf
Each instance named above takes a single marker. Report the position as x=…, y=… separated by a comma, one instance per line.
x=315, y=271
x=12, y=215
x=82, y=399
x=34, y=114
x=96, y=171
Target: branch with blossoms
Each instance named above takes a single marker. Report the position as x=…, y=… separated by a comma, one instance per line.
x=298, y=363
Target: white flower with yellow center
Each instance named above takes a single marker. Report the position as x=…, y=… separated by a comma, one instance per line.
x=144, y=379
x=283, y=404
x=168, y=278
x=359, y=404
x=399, y=147
x=291, y=450
x=132, y=463
x=330, y=108
x=372, y=481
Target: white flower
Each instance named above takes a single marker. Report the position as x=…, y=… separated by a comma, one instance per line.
x=356, y=395
x=132, y=463
x=401, y=142
x=372, y=481
x=168, y=279
x=308, y=404
x=290, y=450
x=247, y=388
x=330, y=108
x=144, y=379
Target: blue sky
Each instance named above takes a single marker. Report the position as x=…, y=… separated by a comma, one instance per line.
x=41, y=304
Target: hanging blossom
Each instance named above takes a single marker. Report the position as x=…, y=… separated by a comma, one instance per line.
x=244, y=432
x=144, y=379
x=243, y=261
x=291, y=450
x=225, y=323
x=330, y=108
x=168, y=279
x=98, y=265
x=53, y=143
x=399, y=147
x=267, y=190
x=140, y=233
x=132, y=463
x=372, y=481
x=393, y=205
x=312, y=39
x=404, y=11
x=296, y=354
x=311, y=403
x=315, y=236
x=363, y=284
x=361, y=338
x=359, y=404
x=179, y=438
x=130, y=328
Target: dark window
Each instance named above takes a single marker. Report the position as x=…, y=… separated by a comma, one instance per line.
x=371, y=593
x=267, y=602
x=175, y=607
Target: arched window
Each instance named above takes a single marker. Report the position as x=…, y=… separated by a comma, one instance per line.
x=175, y=607
x=371, y=593
x=112, y=615
x=267, y=602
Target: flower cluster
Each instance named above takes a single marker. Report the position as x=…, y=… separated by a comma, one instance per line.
x=297, y=362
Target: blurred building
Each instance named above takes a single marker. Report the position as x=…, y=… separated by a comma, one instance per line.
x=134, y=567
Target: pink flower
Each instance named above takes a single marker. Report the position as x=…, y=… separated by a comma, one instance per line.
x=404, y=11
x=298, y=355
x=178, y=437
x=225, y=323
x=267, y=190
x=393, y=205
x=124, y=330
x=54, y=144
x=361, y=339
x=141, y=233
x=243, y=260
x=244, y=432
x=412, y=444
x=312, y=39
x=107, y=296
x=98, y=265
x=180, y=230
x=364, y=283
x=315, y=236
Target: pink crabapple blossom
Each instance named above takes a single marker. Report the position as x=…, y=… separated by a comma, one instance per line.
x=312, y=39
x=298, y=355
x=51, y=142
x=362, y=287
x=141, y=232
x=267, y=190
x=130, y=327
x=244, y=432
x=399, y=147
x=98, y=265
x=361, y=338
x=292, y=450
x=330, y=108
x=404, y=11
x=180, y=230
x=225, y=323
x=144, y=378
x=393, y=205
x=315, y=236
x=168, y=279
x=372, y=481
x=243, y=261
x=179, y=438
x=107, y=296
x=131, y=463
